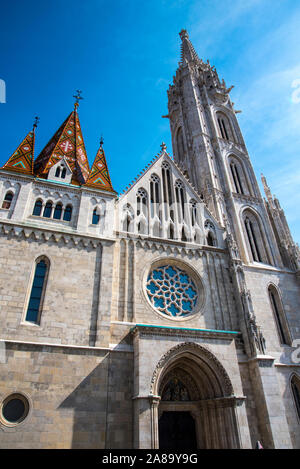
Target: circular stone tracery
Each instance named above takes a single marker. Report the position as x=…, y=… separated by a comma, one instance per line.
x=171, y=291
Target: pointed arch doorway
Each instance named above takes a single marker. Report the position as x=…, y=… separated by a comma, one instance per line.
x=194, y=406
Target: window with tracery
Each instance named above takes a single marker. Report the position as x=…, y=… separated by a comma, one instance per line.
x=256, y=238
x=180, y=200
x=224, y=127
x=172, y=291
x=175, y=390
x=141, y=201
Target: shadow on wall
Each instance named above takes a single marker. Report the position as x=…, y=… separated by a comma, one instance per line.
x=102, y=405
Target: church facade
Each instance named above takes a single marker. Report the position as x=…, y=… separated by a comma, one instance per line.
x=164, y=317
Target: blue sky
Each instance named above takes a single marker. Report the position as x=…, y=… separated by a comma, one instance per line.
x=123, y=54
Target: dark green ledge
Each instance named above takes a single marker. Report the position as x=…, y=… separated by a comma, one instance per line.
x=220, y=331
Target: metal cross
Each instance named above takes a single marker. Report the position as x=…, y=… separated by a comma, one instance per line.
x=36, y=121
x=77, y=97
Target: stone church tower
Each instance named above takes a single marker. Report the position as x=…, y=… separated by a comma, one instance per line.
x=165, y=317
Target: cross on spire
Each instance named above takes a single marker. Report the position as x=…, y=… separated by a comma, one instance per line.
x=36, y=121
x=77, y=96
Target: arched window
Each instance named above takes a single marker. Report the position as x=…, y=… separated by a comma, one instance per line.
x=57, y=172
x=141, y=199
x=68, y=213
x=236, y=178
x=240, y=182
x=128, y=218
x=256, y=238
x=35, y=304
x=193, y=208
x=47, y=210
x=155, y=195
x=96, y=216
x=37, y=210
x=180, y=199
x=211, y=238
x=224, y=127
x=295, y=385
x=180, y=144
x=63, y=173
x=57, y=211
x=279, y=316
x=252, y=240
x=7, y=200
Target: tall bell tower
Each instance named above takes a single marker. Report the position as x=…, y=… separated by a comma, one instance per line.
x=209, y=146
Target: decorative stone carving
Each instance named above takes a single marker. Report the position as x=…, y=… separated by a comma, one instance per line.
x=198, y=350
x=172, y=291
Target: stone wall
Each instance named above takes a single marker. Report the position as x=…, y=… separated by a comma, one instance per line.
x=79, y=397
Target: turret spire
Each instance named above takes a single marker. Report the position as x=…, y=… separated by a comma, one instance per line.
x=67, y=142
x=188, y=53
x=22, y=159
x=99, y=175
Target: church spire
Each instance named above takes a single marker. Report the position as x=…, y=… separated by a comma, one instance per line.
x=22, y=159
x=66, y=143
x=99, y=175
x=188, y=53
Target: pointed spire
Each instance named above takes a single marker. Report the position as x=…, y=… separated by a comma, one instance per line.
x=188, y=53
x=266, y=188
x=99, y=175
x=22, y=159
x=67, y=142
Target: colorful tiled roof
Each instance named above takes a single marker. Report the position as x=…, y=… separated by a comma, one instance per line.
x=67, y=142
x=22, y=159
x=99, y=175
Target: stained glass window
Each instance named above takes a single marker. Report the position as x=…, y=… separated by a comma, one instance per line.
x=171, y=291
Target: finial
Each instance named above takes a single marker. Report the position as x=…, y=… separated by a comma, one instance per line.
x=163, y=146
x=101, y=141
x=183, y=34
x=77, y=97
x=36, y=121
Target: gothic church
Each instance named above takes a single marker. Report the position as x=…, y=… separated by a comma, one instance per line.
x=163, y=317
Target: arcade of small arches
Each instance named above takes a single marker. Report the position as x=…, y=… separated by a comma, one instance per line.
x=50, y=210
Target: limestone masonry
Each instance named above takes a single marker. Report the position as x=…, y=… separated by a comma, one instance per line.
x=165, y=317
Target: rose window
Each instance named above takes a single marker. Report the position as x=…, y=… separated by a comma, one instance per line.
x=171, y=291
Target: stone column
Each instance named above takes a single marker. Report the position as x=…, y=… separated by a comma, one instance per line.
x=142, y=430
x=154, y=403
x=197, y=414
